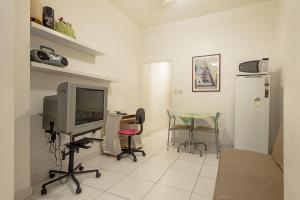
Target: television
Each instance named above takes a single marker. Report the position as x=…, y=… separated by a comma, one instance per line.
x=77, y=108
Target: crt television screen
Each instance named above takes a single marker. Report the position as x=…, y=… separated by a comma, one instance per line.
x=89, y=105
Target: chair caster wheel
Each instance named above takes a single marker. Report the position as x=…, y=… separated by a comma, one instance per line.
x=51, y=175
x=78, y=190
x=81, y=168
x=144, y=154
x=134, y=160
x=98, y=174
x=43, y=191
x=118, y=157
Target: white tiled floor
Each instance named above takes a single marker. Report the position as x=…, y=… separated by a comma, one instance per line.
x=160, y=175
x=131, y=188
x=209, y=171
x=180, y=180
x=205, y=186
x=166, y=192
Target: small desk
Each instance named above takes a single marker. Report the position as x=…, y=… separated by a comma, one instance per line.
x=190, y=118
x=113, y=141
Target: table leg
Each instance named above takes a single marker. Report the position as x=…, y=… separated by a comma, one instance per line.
x=190, y=142
x=192, y=135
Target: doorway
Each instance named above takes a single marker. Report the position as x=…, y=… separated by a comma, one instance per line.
x=156, y=95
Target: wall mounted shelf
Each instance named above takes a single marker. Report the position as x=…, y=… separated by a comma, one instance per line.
x=39, y=67
x=59, y=38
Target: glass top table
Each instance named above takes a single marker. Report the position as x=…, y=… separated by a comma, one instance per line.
x=189, y=118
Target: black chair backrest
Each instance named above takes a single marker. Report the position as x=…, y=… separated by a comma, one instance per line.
x=140, y=119
x=140, y=116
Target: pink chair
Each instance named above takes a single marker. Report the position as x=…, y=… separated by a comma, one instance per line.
x=140, y=119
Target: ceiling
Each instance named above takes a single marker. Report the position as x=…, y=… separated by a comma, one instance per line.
x=157, y=12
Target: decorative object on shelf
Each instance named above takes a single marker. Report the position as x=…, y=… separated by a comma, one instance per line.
x=36, y=11
x=206, y=73
x=61, y=39
x=64, y=28
x=48, y=17
x=50, y=58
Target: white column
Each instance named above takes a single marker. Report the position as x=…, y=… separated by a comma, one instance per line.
x=7, y=99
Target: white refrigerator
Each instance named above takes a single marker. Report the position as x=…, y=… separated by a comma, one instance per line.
x=252, y=108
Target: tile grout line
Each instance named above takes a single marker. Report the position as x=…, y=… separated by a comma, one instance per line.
x=198, y=177
x=98, y=195
x=148, y=180
x=128, y=175
x=116, y=195
x=157, y=182
x=124, y=176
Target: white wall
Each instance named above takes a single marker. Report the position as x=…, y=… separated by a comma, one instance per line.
x=239, y=35
x=101, y=25
x=7, y=100
x=291, y=100
x=22, y=101
x=156, y=93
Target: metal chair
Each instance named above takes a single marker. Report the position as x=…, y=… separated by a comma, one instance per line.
x=212, y=130
x=175, y=127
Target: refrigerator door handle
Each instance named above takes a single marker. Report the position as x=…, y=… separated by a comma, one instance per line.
x=257, y=101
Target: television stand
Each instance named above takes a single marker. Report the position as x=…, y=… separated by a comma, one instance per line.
x=73, y=148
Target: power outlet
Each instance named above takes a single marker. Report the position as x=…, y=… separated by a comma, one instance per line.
x=178, y=91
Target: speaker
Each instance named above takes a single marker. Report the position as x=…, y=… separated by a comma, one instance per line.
x=48, y=17
x=49, y=58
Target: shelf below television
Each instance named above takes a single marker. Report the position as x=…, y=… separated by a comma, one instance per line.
x=39, y=67
x=59, y=38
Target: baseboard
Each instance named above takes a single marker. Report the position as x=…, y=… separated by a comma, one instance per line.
x=43, y=176
x=23, y=194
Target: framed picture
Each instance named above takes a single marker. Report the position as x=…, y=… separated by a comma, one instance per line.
x=207, y=73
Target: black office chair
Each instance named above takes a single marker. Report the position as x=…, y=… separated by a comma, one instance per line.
x=140, y=119
x=72, y=147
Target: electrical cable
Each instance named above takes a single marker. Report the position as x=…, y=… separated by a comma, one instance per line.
x=56, y=150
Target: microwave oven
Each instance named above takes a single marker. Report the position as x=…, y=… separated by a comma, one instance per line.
x=255, y=66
